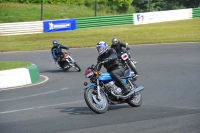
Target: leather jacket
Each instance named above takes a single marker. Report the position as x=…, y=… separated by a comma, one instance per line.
x=118, y=47
x=56, y=51
x=112, y=63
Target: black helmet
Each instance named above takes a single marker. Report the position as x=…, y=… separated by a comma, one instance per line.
x=114, y=41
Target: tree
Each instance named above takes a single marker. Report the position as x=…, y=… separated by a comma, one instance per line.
x=161, y=5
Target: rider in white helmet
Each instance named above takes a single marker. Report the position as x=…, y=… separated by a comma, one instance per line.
x=112, y=64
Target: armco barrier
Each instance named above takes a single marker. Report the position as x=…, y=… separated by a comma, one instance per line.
x=21, y=28
x=196, y=13
x=100, y=21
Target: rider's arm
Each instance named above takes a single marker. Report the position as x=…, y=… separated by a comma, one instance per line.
x=124, y=45
x=113, y=56
x=54, y=54
x=100, y=65
x=64, y=47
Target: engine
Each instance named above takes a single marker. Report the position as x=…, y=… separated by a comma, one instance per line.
x=111, y=85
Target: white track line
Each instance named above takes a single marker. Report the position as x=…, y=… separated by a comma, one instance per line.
x=40, y=107
x=34, y=95
x=46, y=79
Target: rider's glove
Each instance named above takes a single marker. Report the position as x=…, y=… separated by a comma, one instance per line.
x=127, y=48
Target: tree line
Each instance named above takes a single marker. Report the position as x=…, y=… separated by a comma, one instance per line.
x=122, y=6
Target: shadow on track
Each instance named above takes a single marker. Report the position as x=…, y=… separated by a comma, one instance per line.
x=87, y=111
x=59, y=71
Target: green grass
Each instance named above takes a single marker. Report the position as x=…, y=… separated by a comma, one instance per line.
x=166, y=32
x=15, y=12
x=13, y=65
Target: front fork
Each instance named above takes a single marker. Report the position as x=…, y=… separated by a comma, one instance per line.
x=126, y=64
x=98, y=90
x=70, y=60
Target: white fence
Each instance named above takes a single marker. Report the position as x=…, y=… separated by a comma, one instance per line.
x=21, y=28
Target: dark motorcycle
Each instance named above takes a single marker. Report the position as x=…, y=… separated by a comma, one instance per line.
x=103, y=90
x=127, y=61
x=68, y=62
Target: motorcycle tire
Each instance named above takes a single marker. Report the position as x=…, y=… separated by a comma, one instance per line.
x=132, y=66
x=136, y=100
x=98, y=106
x=78, y=69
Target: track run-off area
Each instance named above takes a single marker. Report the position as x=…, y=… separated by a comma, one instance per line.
x=170, y=74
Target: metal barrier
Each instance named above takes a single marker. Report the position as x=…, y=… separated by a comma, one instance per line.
x=21, y=28
x=196, y=13
x=100, y=21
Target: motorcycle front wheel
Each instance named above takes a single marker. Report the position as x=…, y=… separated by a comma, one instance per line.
x=97, y=105
x=136, y=100
x=132, y=66
x=76, y=66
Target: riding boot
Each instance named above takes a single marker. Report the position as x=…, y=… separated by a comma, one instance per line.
x=127, y=89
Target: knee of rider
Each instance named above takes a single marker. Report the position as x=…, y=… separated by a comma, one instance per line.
x=113, y=74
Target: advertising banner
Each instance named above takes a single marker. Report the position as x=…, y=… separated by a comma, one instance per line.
x=162, y=16
x=59, y=25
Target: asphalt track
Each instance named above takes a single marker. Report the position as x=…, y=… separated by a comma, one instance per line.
x=170, y=74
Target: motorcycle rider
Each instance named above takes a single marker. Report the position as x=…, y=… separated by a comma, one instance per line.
x=117, y=45
x=111, y=63
x=57, y=54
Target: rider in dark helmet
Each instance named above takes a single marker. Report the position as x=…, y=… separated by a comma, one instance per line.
x=111, y=63
x=117, y=45
x=56, y=51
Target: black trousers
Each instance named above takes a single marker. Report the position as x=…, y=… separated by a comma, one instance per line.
x=116, y=74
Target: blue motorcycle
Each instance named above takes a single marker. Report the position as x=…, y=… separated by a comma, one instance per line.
x=103, y=90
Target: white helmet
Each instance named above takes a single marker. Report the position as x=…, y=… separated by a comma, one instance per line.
x=102, y=47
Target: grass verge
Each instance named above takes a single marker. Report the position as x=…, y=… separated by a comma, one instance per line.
x=165, y=32
x=12, y=65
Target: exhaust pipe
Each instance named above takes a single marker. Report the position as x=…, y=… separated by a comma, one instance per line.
x=130, y=93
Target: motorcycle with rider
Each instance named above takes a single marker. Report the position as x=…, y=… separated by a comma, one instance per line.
x=124, y=55
x=115, y=86
x=62, y=57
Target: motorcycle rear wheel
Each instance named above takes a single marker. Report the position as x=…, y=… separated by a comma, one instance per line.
x=136, y=100
x=98, y=106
